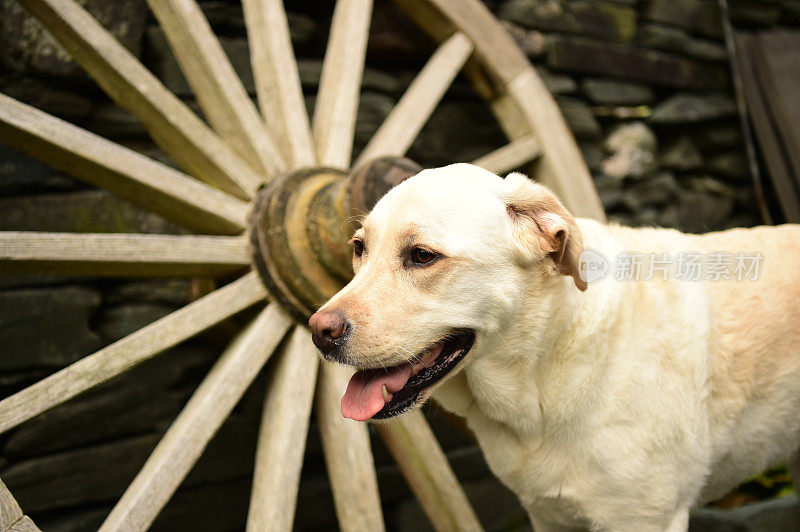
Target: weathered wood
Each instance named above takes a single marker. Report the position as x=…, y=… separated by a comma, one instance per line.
x=11, y=517
x=406, y=120
x=493, y=45
x=513, y=155
x=288, y=218
x=170, y=122
x=131, y=175
x=419, y=456
x=340, y=81
x=197, y=423
x=519, y=99
x=218, y=89
x=130, y=351
x=24, y=525
x=121, y=254
x=348, y=456
x=775, y=60
x=561, y=166
x=346, y=443
x=780, y=175
x=10, y=511
x=281, y=440
x=277, y=80
x=435, y=24
x=741, y=108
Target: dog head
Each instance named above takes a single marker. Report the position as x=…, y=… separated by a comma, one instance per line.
x=440, y=264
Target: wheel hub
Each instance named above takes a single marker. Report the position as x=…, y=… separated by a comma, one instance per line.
x=302, y=221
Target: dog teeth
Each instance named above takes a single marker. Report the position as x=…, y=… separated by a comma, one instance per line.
x=386, y=394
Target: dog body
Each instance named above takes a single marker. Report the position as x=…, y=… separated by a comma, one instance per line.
x=617, y=406
x=640, y=400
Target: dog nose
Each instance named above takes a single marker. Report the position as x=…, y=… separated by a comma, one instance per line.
x=326, y=329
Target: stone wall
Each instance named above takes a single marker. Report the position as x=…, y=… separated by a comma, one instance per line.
x=643, y=85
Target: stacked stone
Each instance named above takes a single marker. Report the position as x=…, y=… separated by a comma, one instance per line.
x=646, y=89
x=629, y=76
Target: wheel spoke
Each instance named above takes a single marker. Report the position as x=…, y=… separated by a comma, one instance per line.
x=10, y=511
x=197, y=423
x=11, y=517
x=348, y=456
x=25, y=524
x=170, y=122
x=336, y=106
x=121, y=254
x=495, y=46
x=277, y=80
x=130, y=351
x=425, y=467
x=406, y=120
x=218, y=88
x=520, y=100
x=131, y=175
x=281, y=440
x=513, y=155
x=561, y=166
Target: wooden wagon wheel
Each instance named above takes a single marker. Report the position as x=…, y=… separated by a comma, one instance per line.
x=300, y=252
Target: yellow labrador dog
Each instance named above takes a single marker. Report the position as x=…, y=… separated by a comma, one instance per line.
x=607, y=393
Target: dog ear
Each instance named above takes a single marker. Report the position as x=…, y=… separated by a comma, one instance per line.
x=543, y=225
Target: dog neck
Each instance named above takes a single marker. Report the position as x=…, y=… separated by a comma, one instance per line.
x=531, y=377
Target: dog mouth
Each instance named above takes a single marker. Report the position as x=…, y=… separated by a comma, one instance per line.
x=381, y=393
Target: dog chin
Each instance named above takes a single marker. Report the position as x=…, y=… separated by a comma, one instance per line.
x=384, y=392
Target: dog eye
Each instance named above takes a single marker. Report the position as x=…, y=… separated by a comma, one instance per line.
x=358, y=247
x=422, y=256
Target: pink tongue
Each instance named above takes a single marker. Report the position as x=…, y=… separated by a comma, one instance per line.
x=364, y=396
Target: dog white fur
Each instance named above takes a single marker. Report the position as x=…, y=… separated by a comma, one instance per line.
x=617, y=407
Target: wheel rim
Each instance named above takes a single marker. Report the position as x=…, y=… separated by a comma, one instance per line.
x=225, y=163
